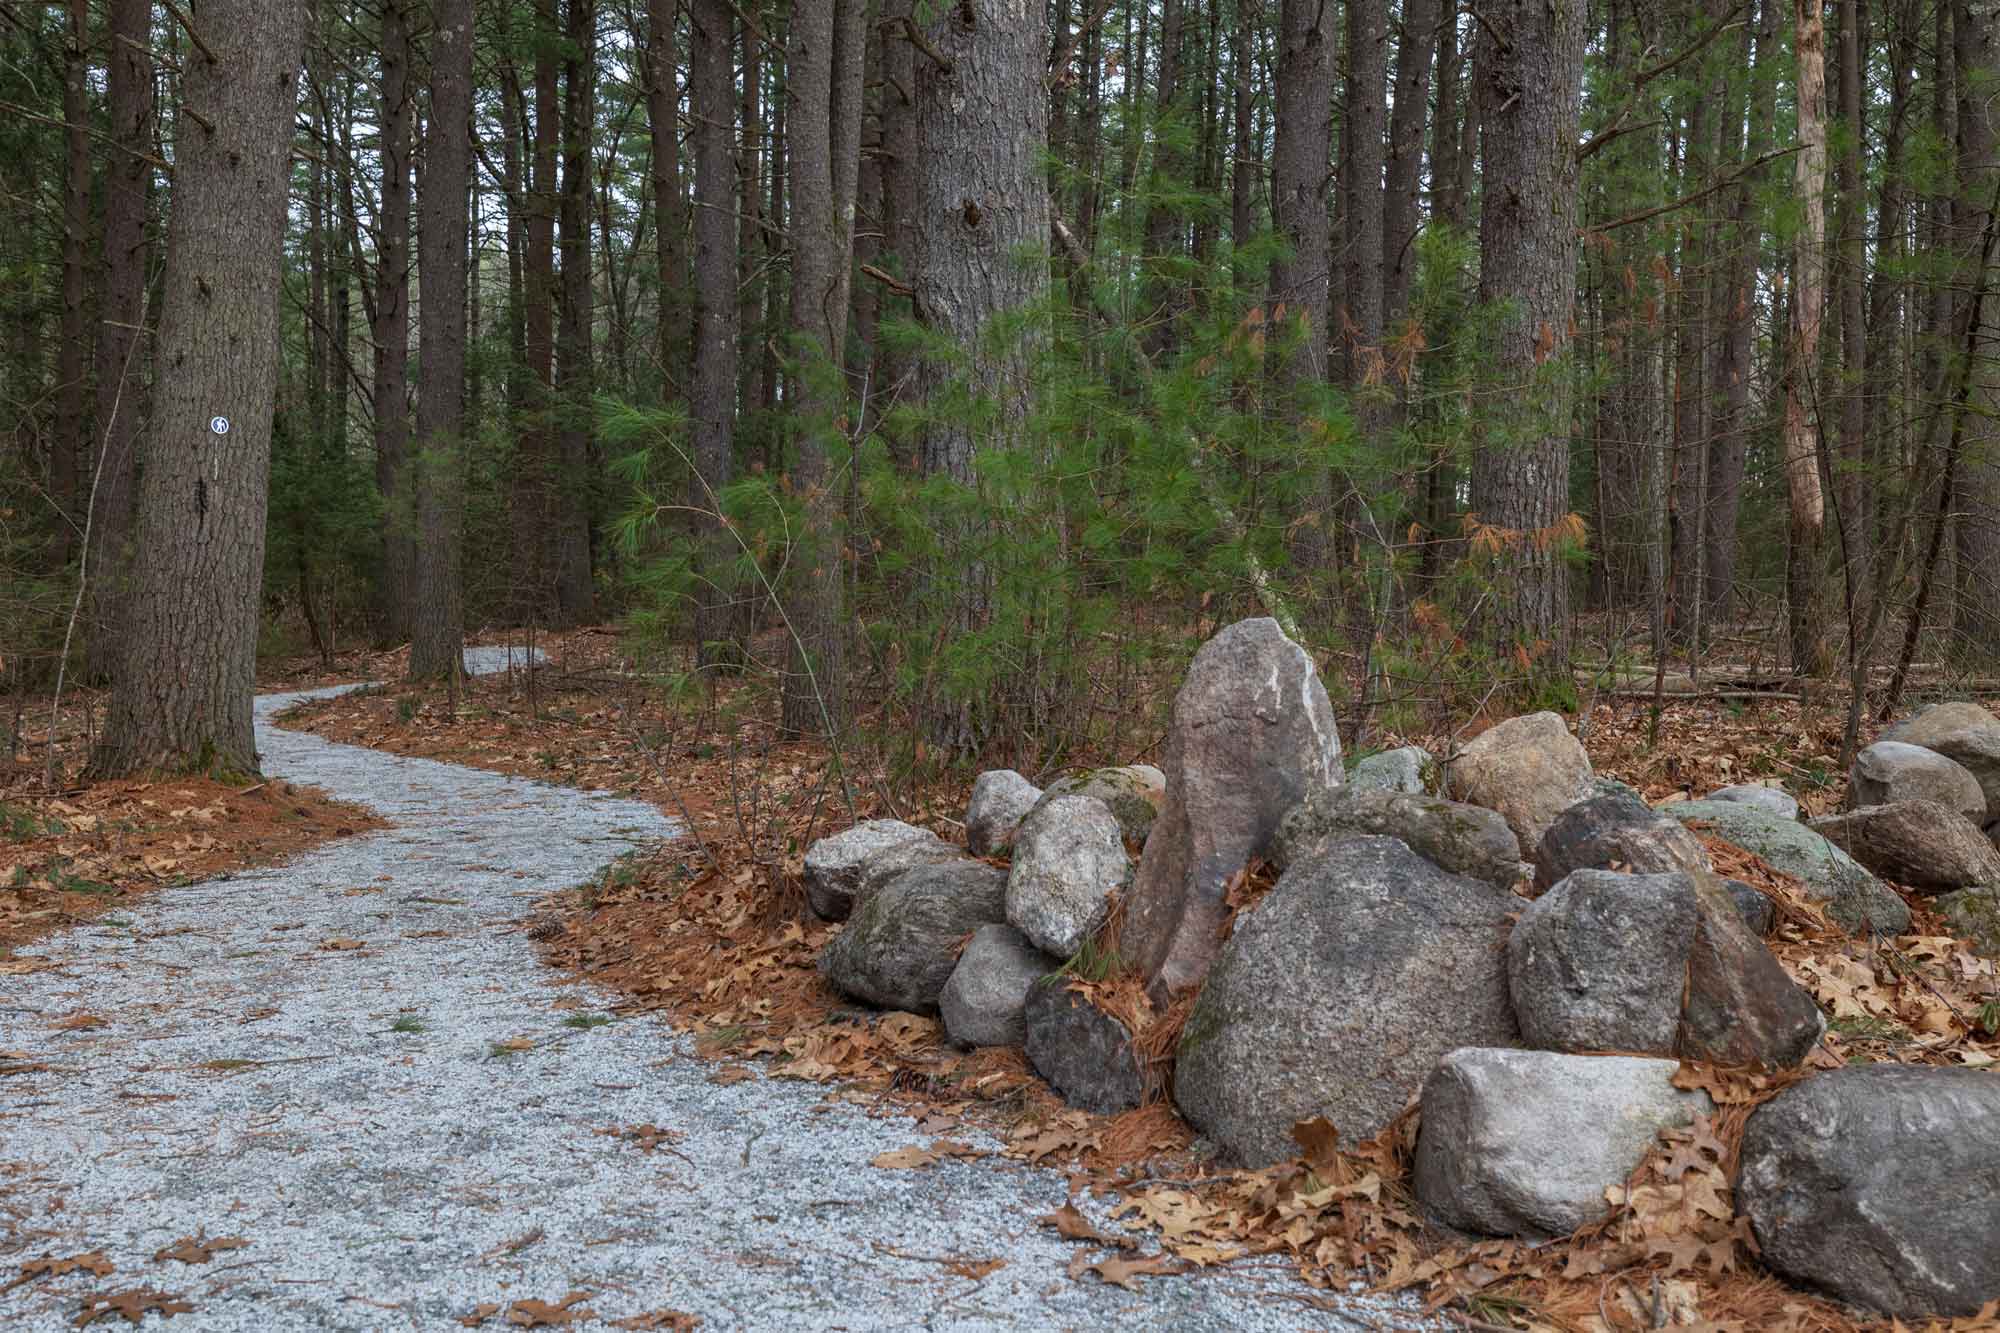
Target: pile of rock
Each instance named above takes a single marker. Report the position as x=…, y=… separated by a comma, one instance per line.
x=1472, y=934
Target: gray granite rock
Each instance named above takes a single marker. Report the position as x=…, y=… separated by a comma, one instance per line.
x=1654, y=964
x=1880, y=1185
x=1607, y=831
x=901, y=946
x=1337, y=995
x=1411, y=769
x=1253, y=735
x=1084, y=1053
x=1890, y=771
x=1771, y=800
x=1529, y=768
x=1923, y=844
x=844, y=869
x=1759, y=913
x=1851, y=897
x=1134, y=794
x=1464, y=839
x=985, y=1002
x=1069, y=858
x=1963, y=732
x=1973, y=914
x=1001, y=798
x=1525, y=1143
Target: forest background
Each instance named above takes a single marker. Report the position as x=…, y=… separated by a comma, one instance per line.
x=942, y=371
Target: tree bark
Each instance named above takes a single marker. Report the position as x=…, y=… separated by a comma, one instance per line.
x=1806, y=574
x=575, y=599
x=1976, y=49
x=1528, y=65
x=121, y=306
x=1299, y=171
x=69, y=448
x=712, y=390
x=181, y=693
x=391, y=326
x=536, y=463
x=437, y=642
x=663, y=101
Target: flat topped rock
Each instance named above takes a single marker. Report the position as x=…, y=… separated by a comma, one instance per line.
x=1772, y=800
x=1852, y=898
x=1529, y=769
x=843, y=870
x=1922, y=844
x=1963, y=732
x=1890, y=771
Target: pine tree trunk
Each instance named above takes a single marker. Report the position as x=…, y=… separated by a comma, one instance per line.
x=663, y=101
x=121, y=305
x=575, y=363
x=437, y=642
x=391, y=328
x=1299, y=165
x=1807, y=585
x=181, y=692
x=1528, y=65
x=69, y=449
x=1976, y=47
x=536, y=463
x=712, y=389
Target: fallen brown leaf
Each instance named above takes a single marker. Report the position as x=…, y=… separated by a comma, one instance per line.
x=198, y=1249
x=1072, y=1225
x=131, y=1306
x=94, y=1262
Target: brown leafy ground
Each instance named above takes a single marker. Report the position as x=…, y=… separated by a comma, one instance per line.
x=711, y=931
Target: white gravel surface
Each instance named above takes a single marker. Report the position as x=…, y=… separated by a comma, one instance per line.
x=387, y=1179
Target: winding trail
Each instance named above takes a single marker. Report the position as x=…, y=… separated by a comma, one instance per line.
x=350, y=1114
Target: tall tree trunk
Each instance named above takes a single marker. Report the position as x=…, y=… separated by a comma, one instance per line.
x=68, y=449
x=437, y=642
x=1976, y=49
x=823, y=81
x=712, y=390
x=982, y=206
x=1405, y=163
x=1243, y=163
x=391, y=330
x=575, y=363
x=121, y=306
x=1854, y=487
x=1806, y=578
x=752, y=245
x=1170, y=174
x=663, y=101
x=1528, y=67
x=537, y=462
x=1299, y=165
x=181, y=692
x=1364, y=126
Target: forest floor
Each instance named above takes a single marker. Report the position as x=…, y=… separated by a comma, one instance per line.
x=708, y=929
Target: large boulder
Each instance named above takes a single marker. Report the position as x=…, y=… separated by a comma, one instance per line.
x=1337, y=995
x=985, y=1001
x=1001, y=799
x=1410, y=769
x=1973, y=914
x=1525, y=1143
x=1964, y=732
x=1607, y=831
x=1654, y=964
x=1253, y=735
x=1919, y=843
x=1530, y=769
x=1069, y=858
x=843, y=870
x=1880, y=1184
x=1852, y=898
x=1890, y=771
x=1464, y=839
x=1086, y=1054
x=901, y=947
x=1771, y=800
x=1134, y=794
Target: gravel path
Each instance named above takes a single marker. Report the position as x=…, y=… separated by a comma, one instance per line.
x=307, y=1058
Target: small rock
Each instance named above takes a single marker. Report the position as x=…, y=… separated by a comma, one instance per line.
x=1603, y=786
x=1338, y=993
x=1253, y=735
x=1923, y=844
x=1530, y=769
x=1771, y=800
x=1616, y=830
x=1134, y=794
x=1876, y=1184
x=847, y=867
x=900, y=949
x=1657, y=964
x=1001, y=799
x=1852, y=898
x=1890, y=771
x=985, y=1002
x=1963, y=732
x=1084, y=1053
x=1974, y=915
x=1759, y=913
x=1411, y=769
x=1069, y=857
x=1525, y=1143
x=1464, y=839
